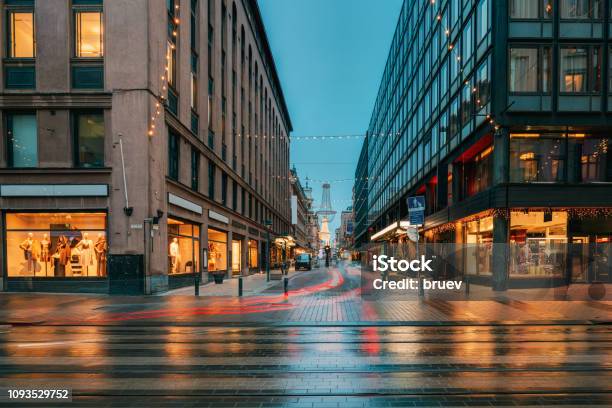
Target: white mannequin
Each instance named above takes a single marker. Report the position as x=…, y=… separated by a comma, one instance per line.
x=175, y=255
x=45, y=251
x=87, y=253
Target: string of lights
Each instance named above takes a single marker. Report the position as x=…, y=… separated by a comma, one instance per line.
x=162, y=95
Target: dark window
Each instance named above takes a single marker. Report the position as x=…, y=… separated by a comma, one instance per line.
x=242, y=202
x=224, y=188
x=581, y=9
x=234, y=195
x=211, y=179
x=173, y=155
x=483, y=85
x=592, y=154
x=89, y=139
x=22, y=140
x=531, y=9
x=530, y=70
x=478, y=175
x=195, y=169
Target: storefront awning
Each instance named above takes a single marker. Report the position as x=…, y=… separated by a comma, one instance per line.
x=391, y=231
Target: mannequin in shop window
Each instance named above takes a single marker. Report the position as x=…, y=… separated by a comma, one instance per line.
x=100, y=249
x=175, y=256
x=86, y=249
x=45, y=251
x=27, y=246
x=61, y=256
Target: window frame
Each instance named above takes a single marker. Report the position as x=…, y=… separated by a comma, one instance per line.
x=75, y=137
x=76, y=9
x=542, y=16
x=8, y=137
x=589, y=18
x=9, y=10
x=540, y=72
x=589, y=69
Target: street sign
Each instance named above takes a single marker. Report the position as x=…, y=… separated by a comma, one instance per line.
x=416, y=210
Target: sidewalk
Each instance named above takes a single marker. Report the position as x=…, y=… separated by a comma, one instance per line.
x=251, y=285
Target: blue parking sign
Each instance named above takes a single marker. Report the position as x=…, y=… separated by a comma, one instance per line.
x=416, y=210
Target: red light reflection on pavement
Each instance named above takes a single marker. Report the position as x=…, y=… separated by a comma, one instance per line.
x=372, y=338
x=249, y=305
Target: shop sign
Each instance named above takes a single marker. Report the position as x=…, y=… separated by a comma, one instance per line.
x=218, y=217
x=186, y=204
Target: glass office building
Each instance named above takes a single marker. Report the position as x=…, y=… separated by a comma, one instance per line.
x=497, y=112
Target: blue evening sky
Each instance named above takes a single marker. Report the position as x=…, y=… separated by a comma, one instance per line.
x=330, y=55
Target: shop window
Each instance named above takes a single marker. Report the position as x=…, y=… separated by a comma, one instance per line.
x=21, y=35
x=56, y=245
x=537, y=158
x=479, y=248
x=89, y=138
x=478, y=174
x=593, y=162
x=580, y=69
x=89, y=35
x=537, y=243
x=217, y=250
x=22, y=140
x=236, y=257
x=253, y=254
x=183, y=247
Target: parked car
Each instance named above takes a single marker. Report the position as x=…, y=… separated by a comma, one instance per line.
x=303, y=261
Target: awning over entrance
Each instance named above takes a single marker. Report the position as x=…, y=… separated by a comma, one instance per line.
x=391, y=231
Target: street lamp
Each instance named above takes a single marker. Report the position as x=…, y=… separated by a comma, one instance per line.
x=268, y=224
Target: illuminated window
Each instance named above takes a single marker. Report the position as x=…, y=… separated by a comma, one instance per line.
x=89, y=34
x=56, y=245
x=22, y=41
x=183, y=247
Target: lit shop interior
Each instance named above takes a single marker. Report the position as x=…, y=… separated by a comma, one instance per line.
x=56, y=245
x=545, y=244
x=183, y=247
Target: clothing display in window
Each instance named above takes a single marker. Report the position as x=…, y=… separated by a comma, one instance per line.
x=175, y=255
x=27, y=247
x=55, y=245
x=100, y=249
x=85, y=249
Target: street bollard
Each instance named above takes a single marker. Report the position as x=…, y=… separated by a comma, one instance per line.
x=240, y=286
x=286, y=285
x=196, y=282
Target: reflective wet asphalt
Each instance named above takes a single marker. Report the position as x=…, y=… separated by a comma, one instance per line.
x=345, y=361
